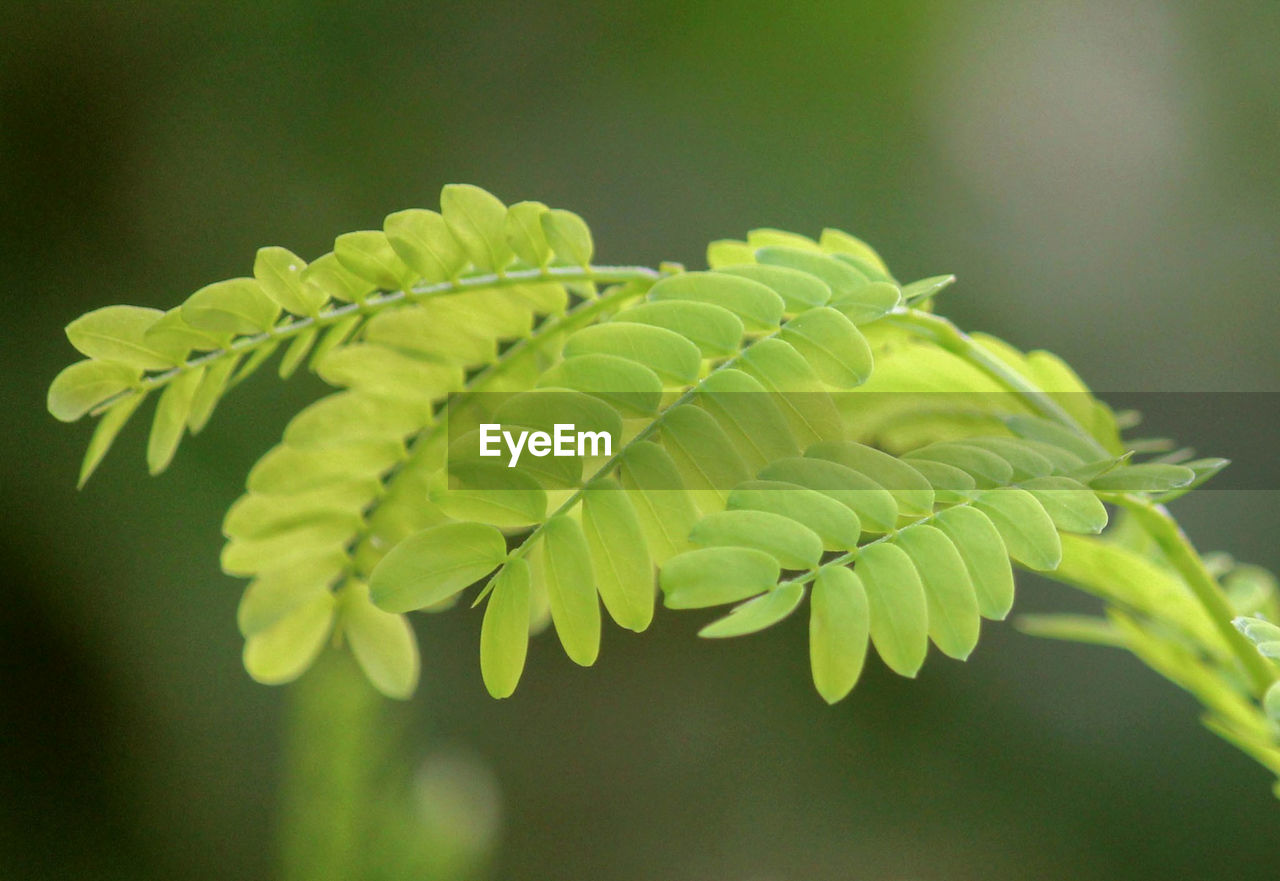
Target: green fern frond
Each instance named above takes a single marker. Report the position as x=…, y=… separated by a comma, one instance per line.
x=791, y=423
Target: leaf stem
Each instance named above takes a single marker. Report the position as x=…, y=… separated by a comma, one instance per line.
x=956, y=341
x=1154, y=518
x=1169, y=536
x=641, y=435
x=579, y=315
x=383, y=299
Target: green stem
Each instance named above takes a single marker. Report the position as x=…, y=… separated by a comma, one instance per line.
x=527, y=544
x=383, y=299
x=1177, y=548
x=956, y=341
x=1154, y=518
x=335, y=747
x=582, y=314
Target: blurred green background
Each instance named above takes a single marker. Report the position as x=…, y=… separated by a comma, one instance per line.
x=1101, y=174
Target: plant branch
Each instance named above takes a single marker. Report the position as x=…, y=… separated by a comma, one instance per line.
x=1154, y=518
x=956, y=341
x=1164, y=529
x=384, y=299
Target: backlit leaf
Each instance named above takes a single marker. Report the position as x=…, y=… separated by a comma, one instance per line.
x=504, y=635
x=571, y=587
x=435, y=564
x=839, y=624
x=715, y=576
x=898, y=608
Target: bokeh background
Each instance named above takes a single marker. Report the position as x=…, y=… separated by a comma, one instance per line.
x=1101, y=174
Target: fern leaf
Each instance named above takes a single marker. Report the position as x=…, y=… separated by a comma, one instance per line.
x=790, y=422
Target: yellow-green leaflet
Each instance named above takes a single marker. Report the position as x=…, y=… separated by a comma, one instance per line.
x=667, y=353
x=1069, y=503
x=703, y=454
x=1025, y=461
x=714, y=329
x=835, y=524
x=571, y=587
x=170, y=420
x=491, y=492
x=477, y=219
x=327, y=274
x=926, y=288
x=504, y=635
x=287, y=469
x=448, y=330
x=1026, y=528
x=212, y=385
x=352, y=415
x=759, y=307
x=984, y=555
x=118, y=334
x=1146, y=477
x=256, y=515
x=768, y=236
x=623, y=568
x=749, y=416
x=632, y=388
x=299, y=543
x=423, y=242
x=954, y=622
x=839, y=624
x=568, y=237
x=799, y=290
x=852, y=293
x=297, y=352
x=383, y=644
x=383, y=371
x=275, y=594
x=86, y=384
x=104, y=434
x=665, y=511
x=796, y=389
x=1036, y=428
x=283, y=651
x=173, y=336
x=369, y=255
x=238, y=305
x=873, y=504
x=983, y=466
x=840, y=242
x=838, y=353
x=898, y=607
x=757, y=614
x=909, y=488
x=279, y=272
x=792, y=544
x=724, y=253
x=541, y=409
x=435, y=564
x=525, y=237
x=715, y=576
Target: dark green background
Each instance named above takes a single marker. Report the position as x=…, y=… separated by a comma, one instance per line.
x=1101, y=175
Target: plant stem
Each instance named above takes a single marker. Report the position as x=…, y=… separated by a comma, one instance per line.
x=333, y=752
x=383, y=299
x=956, y=341
x=527, y=543
x=1154, y=518
x=1164, y=529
